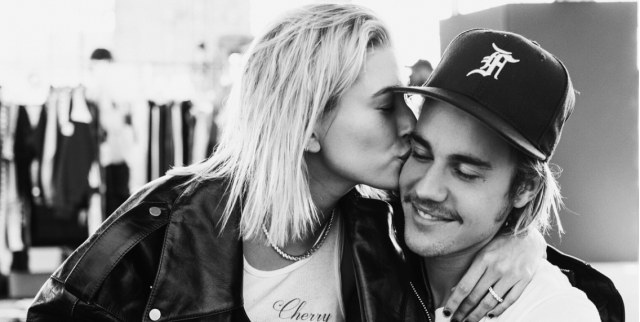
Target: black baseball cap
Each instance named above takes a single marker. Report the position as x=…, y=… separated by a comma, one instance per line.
x=509, y=83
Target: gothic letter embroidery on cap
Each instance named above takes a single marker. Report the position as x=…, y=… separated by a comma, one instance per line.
x=497, y=59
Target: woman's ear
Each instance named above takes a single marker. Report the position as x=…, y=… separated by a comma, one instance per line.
x=527, y=192
x=313, y=146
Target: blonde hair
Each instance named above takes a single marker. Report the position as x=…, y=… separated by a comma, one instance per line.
x=292, y=76
x=537, y=214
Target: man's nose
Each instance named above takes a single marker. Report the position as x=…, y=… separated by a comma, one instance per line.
x=432, y=185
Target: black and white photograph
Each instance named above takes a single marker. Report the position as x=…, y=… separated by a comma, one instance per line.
x=338, y=161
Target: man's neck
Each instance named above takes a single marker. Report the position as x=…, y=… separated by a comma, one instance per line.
x=444, y=272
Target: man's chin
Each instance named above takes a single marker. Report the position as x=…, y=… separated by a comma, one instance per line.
x=423, y=246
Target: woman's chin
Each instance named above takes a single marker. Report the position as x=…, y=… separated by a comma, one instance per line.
x=388, y=184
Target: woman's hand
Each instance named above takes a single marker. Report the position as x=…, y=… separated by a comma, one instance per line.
x=507, y=264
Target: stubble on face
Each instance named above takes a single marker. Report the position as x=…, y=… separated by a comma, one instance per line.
x=420, y=243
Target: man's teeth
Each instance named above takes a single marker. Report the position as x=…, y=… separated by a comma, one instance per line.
x=427, y=216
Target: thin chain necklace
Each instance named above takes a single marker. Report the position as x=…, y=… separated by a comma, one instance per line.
x=309, y=252
x=420, y=299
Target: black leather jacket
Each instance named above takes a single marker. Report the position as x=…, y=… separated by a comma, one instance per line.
x=162, y=251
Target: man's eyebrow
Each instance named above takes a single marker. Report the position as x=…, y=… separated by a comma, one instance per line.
x=470, y=159
x=422, y=141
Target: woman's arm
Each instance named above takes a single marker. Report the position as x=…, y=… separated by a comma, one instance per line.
x=506, y=264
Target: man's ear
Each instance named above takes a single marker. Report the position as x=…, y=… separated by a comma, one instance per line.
x=527, y=192
x=313, y=146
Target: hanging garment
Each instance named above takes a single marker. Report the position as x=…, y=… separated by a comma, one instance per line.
x=119, y=134
x=188, y=125
x=167, y=148
x=10, y=204
x=96, y=212
x=153, y=158
x=161, y=140
x=138, y=161
x=213, y=136
x=64, y=221
x=201, y=133
x=117, y=186
x=176, y=131
x=74, y=156
x=28, y=144
x=56, y=101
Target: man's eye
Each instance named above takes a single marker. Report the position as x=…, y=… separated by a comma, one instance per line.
x=466, y=176
x=419, y=155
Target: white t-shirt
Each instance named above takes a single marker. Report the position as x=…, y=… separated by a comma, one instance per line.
x=308, y=290
x=548, y=297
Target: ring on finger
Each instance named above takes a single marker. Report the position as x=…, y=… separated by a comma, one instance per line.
x=495, y=295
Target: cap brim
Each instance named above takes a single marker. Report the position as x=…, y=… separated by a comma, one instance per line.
x=481, y=113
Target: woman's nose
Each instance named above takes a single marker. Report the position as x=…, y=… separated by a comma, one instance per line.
x=406, y=120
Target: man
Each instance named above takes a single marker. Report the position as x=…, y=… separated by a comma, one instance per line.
x=420, y=72
x=491, y=119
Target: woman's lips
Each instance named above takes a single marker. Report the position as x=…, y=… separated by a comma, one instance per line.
x=405, y=155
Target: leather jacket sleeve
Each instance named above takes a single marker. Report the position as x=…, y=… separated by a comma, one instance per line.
x=598, y=288
x=124, y=254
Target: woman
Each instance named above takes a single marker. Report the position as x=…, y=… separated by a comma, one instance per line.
x=271, y=227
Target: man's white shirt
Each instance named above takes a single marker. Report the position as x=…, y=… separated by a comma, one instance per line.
x=548, y=297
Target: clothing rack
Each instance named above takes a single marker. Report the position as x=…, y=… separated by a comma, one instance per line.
x=71, y=162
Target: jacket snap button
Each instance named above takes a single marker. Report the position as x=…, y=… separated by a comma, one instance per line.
x=154, y=315
x=155, y=211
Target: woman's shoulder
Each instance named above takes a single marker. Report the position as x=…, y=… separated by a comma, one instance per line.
x=148, y=210
x=550, y=297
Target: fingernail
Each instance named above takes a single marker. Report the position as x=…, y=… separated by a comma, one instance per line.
x=446, y=312
x=491, y=316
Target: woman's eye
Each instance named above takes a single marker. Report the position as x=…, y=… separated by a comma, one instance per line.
x=387, y=108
